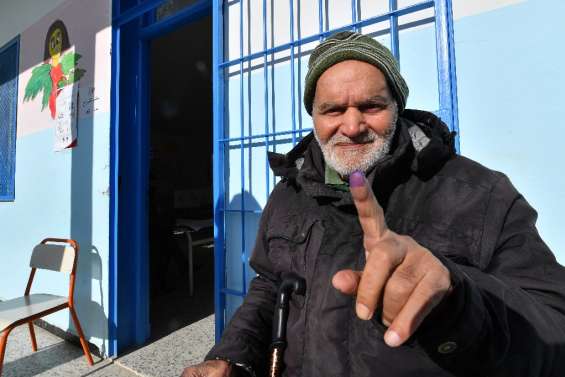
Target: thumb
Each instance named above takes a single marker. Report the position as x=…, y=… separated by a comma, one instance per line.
x=347, y=281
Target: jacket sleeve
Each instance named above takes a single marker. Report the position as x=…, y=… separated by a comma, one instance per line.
x=505, y=317
x=246, y=339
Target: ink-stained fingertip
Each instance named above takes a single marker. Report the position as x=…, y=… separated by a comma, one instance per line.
x=356, y=179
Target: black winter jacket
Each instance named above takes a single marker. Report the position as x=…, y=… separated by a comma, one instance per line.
x=505, y=316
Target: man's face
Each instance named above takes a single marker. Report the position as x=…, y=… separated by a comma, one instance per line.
x=354, y=116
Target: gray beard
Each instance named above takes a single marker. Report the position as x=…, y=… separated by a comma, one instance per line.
x=345, y=163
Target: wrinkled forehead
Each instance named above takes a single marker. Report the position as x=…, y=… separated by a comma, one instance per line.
x=351, y=77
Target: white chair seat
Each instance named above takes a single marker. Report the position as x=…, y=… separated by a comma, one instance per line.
x=20, y=308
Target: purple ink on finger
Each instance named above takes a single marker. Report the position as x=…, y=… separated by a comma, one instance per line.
x=356, y=179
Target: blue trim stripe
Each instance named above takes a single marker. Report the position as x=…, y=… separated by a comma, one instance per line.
x=114, y=181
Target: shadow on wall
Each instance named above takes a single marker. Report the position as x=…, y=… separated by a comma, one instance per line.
x=83, y=194
x=240, y=235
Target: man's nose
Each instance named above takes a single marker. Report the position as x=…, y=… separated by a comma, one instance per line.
x=353, y=123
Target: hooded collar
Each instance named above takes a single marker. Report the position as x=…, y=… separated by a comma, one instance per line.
x=421, y=145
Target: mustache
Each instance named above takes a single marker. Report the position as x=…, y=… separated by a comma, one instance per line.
x=367, y=137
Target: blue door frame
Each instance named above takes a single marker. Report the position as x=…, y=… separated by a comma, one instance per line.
x=133, y=26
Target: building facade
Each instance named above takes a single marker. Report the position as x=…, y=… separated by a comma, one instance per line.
x=97, y=106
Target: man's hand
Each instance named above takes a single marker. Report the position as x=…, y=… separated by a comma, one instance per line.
x=403, y=278
x=210, y=368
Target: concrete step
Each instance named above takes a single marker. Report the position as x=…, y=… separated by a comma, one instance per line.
x=168, y=356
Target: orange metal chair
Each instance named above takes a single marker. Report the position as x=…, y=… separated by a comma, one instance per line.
x=51, y=254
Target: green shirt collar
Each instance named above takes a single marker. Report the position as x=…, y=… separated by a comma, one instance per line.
x=333, y=180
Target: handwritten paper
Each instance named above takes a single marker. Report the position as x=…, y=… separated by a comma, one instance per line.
x=66, y=120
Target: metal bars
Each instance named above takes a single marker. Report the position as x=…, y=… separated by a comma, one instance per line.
x=394, y=40
x=266, y=104
x=373, y=20
x=447, y=77
x=266, y=135
x=243, y=274
x=292, y=86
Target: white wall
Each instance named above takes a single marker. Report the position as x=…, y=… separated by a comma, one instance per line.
x=18, y=15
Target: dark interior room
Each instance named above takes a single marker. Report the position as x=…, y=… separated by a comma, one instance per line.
x=180, y=179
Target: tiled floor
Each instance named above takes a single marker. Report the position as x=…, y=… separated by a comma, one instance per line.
x=166, y=357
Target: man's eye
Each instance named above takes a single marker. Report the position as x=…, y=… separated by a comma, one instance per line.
x=333, y=111
x=372, y=108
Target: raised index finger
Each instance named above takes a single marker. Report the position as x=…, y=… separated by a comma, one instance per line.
x=371, y=215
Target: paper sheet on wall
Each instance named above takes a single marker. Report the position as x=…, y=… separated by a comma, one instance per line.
x=66, y=120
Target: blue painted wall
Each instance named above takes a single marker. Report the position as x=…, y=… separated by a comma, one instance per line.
x=511, y=93
x=61, y=194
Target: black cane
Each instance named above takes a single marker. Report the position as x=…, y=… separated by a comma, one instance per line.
x=291, y=283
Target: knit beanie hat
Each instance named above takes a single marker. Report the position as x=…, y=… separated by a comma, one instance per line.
x=347, y=45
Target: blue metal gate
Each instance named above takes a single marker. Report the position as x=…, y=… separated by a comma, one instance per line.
x=260, y=52
x=9, y=71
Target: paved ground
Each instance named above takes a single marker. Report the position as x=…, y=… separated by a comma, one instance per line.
x=166, y=357
x=54, y=357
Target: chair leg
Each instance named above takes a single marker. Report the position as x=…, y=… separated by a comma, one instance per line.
x=3, y=341
x=81, y=336
x=32, y=334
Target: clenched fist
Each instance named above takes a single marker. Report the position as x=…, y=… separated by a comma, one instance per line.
x=210, y=368
x=401, y=277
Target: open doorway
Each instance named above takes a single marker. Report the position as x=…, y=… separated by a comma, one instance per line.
x=181, y=253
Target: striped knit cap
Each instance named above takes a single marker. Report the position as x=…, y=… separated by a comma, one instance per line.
x=347, y=45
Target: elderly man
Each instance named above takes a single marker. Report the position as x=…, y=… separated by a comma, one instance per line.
x=417, y=261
